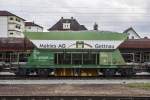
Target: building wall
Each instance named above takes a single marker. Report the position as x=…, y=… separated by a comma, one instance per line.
x=15, y=34
x=33, y=29
x=15, y=27
x=132, y=35
x=3, y=26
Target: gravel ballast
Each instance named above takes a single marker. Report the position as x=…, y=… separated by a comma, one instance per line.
x=72, y=90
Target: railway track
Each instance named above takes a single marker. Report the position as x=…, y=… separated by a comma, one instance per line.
x=72, y=98
x=34, y=77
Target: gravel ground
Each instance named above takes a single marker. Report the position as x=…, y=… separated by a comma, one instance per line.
x=71, y=90
x=62, y=81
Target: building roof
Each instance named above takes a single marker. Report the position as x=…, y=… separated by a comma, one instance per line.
x=32, y=24
x=74, y=25
x=82, y=27
x=127, y=30
x=135, y=44
x=6, y=13
x=75, y=35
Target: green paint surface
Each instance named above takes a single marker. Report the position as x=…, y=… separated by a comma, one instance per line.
x=38, y=58
x=75, y=35
x=45, y=59
x=111, y=58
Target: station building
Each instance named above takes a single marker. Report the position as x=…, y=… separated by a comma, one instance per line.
x=136, y=50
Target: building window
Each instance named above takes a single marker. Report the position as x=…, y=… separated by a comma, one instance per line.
x=11, y=33
x=18, y=26
x=66, y=25
x=17, y=19
x=11, y=18
x=128, y=37
x=132, y=37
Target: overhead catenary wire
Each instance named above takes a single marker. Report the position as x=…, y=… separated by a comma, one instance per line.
x=100, y=14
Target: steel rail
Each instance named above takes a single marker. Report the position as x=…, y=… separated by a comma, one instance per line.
x=73, y=98
x=35, y=77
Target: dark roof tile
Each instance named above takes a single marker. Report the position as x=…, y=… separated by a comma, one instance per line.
x=32, y=24
x=135, y=44
x=6, y=13
x=74, y=25
x=15, y=44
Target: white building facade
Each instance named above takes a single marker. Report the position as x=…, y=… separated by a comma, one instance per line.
x=32, y=27
x=11, y=25
x=132, y=34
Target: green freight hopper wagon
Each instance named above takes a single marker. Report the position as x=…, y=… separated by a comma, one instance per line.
x=75, y=53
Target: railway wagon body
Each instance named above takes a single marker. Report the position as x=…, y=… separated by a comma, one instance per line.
x=84, y=53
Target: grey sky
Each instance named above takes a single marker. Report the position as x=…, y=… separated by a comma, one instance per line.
x=111, y=15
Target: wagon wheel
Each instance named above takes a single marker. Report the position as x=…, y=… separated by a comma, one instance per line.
x=109, y=72
x=43, y=72
x=127, y=72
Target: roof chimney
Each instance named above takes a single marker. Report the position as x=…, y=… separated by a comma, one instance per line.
x=95, y=27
